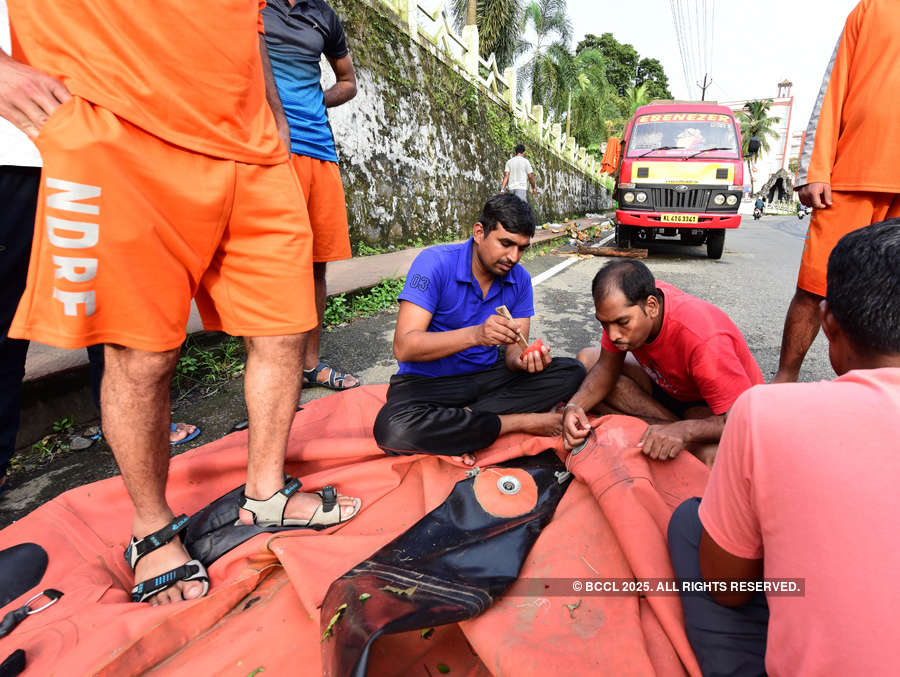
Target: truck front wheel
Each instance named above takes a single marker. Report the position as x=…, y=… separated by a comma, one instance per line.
x=715, y=243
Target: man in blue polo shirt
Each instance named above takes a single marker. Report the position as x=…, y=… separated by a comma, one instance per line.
x=298, y=32
x=453, y=394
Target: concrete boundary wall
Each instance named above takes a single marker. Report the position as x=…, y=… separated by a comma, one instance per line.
x=424, y=143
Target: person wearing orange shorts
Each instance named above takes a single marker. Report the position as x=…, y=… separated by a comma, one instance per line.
x=298, y=33
x=163, y=180
x=848, y=169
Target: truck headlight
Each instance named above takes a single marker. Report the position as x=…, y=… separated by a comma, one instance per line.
x=628, y=197
x=732, y=200
x=641, y=197
x=719, y=199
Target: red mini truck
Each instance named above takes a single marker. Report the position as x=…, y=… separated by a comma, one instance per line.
x=680, y=175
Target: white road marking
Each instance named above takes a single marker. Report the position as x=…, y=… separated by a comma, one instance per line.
x=559, y=267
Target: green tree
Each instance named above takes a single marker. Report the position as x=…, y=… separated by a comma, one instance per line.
x=500, y=25
x=757, y=121
x=651, y=72
x=621, y=60
x=553, y=32
x=592, y=100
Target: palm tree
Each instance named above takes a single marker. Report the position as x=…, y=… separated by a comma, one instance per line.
x=591, y=99
x=634, y=98
x=755, y=120
x=500, y=26
x=553, y=32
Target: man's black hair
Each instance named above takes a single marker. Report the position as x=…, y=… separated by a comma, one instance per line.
x=520, y=148
x=631, y=277
x=515, y=214
x=864, y=286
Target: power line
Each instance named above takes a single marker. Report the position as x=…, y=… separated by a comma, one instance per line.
x=695, y=28
x=676, y=20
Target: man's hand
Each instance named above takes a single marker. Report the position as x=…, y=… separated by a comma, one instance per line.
x=576, y=426
x=28, y=96
x=495, y=331
x=534, y=191
x=535, y=361
x=815, y=195
x=662, y=442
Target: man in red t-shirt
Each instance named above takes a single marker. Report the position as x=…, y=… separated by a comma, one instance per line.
x=688, y=363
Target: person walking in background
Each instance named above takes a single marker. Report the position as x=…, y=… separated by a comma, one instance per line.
x=518, y=174
x=298, y=32
x=848, y=168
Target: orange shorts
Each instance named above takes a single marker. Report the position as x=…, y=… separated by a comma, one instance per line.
x=849, y=211
x=321, y=184
x=130, y=228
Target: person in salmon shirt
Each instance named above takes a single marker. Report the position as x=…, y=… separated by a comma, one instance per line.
x=665, y=356
x=166, y=177
x=848, y=166
x=804, y=489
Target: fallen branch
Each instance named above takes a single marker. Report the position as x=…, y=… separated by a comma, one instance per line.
x=612, y=251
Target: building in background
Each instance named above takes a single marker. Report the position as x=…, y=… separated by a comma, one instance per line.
x=782, y=147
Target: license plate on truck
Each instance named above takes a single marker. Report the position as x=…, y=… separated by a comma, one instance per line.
x=679, y=218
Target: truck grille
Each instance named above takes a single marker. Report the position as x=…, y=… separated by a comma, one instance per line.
x=692, y=199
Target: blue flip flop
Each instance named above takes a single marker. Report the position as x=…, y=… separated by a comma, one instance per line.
x=193, y=435
x=172, y=429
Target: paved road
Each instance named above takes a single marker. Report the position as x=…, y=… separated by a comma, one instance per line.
x=753, y=283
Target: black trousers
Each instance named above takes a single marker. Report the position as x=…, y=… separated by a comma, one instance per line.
x=18, y=203
x=726, y=640
x=458, y=414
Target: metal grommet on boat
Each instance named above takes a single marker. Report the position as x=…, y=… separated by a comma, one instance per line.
x=509, y=484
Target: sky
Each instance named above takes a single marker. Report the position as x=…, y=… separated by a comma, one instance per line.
x=755, y=45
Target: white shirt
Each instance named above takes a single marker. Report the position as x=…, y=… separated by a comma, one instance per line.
x=518, y=168
x=15, y=146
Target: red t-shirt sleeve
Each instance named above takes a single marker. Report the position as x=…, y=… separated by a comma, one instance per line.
x=719, y=373
x=260, y=26
x=607, y=344
x=728, y=510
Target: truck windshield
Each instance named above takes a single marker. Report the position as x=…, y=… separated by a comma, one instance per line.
x=683, y=134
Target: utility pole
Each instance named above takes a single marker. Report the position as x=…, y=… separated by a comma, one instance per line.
x=704, y=87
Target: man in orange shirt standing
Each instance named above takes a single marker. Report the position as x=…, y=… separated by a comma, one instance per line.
x=165, y=178
x=848, y=170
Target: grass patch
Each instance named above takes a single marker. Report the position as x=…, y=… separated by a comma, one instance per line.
x=205, y=367
x=345, y=307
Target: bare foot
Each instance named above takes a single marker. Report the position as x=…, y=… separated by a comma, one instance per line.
x=181, y=431
x=301, y=506
x=468, y=459
x=170, y=556
x=545, y=425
